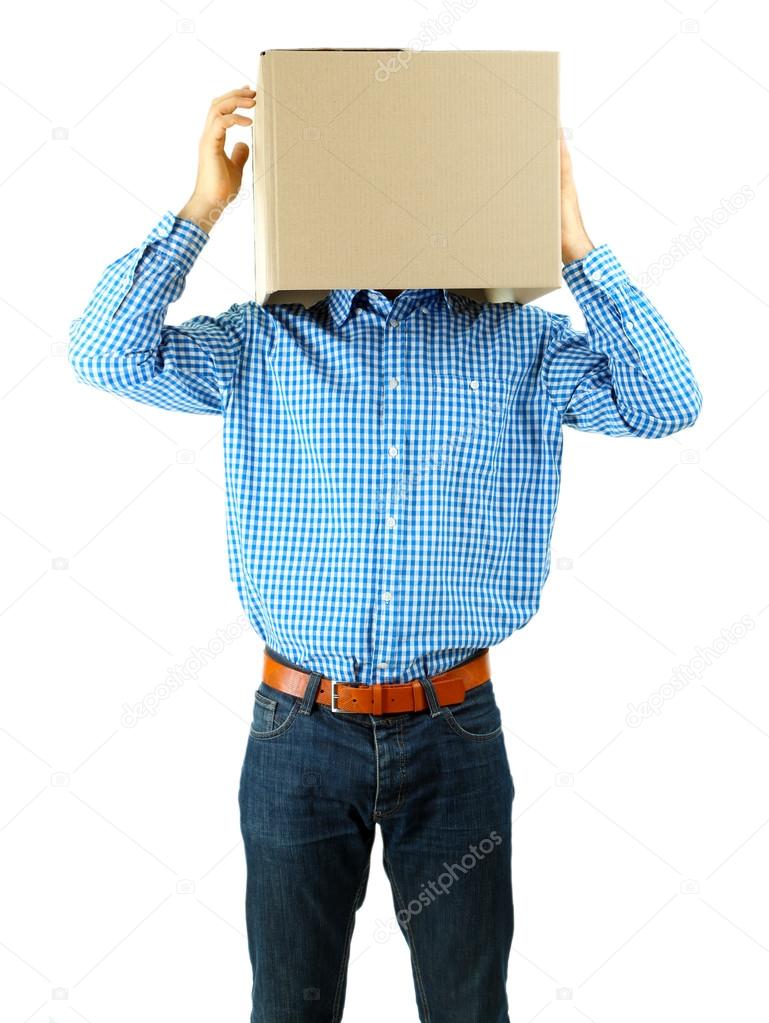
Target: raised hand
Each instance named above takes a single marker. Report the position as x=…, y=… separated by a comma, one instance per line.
x=219, y=176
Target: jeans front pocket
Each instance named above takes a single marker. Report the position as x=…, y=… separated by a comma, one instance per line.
x=478, y=718
x=274, y=712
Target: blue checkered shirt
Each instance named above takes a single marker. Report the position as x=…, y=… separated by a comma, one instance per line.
x=392, y=468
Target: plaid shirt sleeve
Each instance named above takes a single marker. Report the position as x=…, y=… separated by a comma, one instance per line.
x=627, y=374
x=120, y=343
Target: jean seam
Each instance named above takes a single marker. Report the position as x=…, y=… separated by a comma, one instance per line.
x=380, y=815
x=409, y=938
x=335, y=1017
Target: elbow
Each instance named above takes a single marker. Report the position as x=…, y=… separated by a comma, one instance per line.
x=80, y=356
x=97, y=356
x=75, y=349
x=84, y=354
x=694, y=406
x=667, y=418
x=687, y=411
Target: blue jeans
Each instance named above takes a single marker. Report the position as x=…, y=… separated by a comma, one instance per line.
x=314, y=785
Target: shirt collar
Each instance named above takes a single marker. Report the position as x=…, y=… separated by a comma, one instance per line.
x=340, y=300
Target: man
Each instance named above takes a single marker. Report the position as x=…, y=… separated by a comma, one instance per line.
x=392, y=467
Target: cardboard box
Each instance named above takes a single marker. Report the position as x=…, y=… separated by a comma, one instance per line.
x=398, y=169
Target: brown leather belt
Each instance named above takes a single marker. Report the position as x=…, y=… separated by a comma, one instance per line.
x=380, y=697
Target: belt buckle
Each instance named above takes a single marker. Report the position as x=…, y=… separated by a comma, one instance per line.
x=336, y=709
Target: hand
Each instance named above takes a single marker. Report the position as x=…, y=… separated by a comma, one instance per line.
x=575, y=243
x=219, y=175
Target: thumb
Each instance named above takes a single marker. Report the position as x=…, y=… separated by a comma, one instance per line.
x=240, y=155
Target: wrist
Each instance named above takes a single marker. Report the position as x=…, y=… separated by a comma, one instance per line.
x=200, y=212
x=576, y=248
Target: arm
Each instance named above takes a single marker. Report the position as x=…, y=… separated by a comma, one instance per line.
x=627, y=374
x=121, y=344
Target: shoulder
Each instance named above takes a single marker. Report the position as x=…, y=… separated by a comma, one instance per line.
x=263, y=324
x=287, y=315
x=513, y=320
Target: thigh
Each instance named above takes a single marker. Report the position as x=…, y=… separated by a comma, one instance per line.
x=308, y=847
x=447, y=853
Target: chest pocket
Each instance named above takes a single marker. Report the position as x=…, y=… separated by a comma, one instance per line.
x=465, y=421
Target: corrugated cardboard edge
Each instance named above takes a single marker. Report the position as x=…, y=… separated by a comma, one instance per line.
x=336, y=49
x=558, y=267
x=263, y=186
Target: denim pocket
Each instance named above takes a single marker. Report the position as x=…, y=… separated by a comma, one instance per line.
x=478, y=717
x=274, y=712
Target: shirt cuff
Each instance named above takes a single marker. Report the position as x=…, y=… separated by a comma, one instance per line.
x=590, y=277
x=178, y=240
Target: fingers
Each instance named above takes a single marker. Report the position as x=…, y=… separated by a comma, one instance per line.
x=244, y=90
x=221, y=115
x=230, y=101
x=226, y=105
x=221, y=123
x=239, y=155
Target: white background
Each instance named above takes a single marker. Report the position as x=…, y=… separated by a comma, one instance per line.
x=640, y=850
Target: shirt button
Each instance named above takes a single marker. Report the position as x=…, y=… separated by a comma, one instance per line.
x=473, y=385
x=382, y=665
x=393, y=383
x=390, y=522
x=596, y=275
x=630, y=324
x=387, y=596
x=393, y=452
x=394, y=324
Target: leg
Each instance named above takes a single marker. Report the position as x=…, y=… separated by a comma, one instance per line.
x=304, y=788
x=447, y=852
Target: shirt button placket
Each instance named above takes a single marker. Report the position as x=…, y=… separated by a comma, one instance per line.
x=391, y=443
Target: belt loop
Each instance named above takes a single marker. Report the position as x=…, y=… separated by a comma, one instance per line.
x=308, y=700
x=430, y=695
